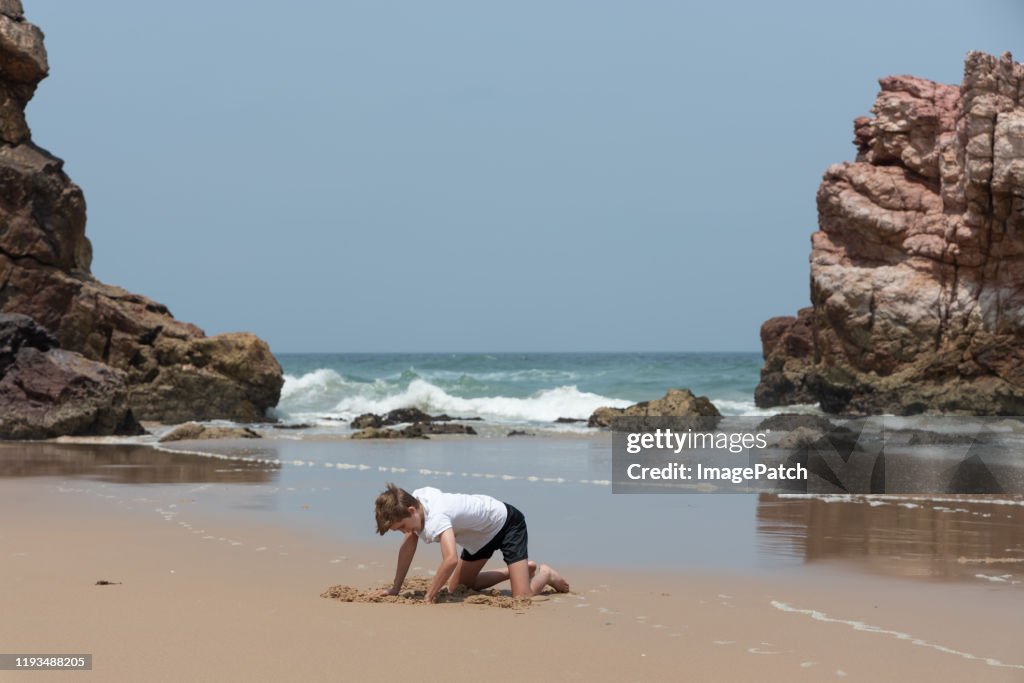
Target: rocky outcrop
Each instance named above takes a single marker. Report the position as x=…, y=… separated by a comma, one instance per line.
x=18, y=332
x=367, y=421
x=442, y=428
x=47, y=392
x=413, y=416
x=193, y=431
x=787, y=345
x=385, y=433
x=173, y=371
x=917, y=270
x=417, y=430
x=675, y=403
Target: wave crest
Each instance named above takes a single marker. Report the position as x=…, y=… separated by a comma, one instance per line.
x=328, y=394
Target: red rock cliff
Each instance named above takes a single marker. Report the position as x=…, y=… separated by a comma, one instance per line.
x=175, y=372
x=917, y=269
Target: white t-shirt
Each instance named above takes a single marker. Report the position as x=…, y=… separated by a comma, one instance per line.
x=475, y=519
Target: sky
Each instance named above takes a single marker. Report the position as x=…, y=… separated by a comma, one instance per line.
x=579, y=175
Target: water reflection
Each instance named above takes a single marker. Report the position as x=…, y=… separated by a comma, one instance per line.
x=126, y=464
x=950, y=536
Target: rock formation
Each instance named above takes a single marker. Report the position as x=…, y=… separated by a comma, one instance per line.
x=173, y=371
x=413, y=416
x=47, y=392
x=675, y=403
x=917, y=270
x=193, y=431
x=416, y=430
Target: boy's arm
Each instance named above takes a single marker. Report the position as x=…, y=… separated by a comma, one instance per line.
x=405, y=555
x=449, y=561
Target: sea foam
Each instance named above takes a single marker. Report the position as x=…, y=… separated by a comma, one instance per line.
x=328, y=394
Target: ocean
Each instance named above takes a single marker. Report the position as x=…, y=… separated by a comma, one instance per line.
x=528, y=390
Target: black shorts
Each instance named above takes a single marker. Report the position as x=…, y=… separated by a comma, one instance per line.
x=511, y=540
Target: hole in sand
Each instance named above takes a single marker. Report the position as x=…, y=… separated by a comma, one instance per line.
x=415, y=589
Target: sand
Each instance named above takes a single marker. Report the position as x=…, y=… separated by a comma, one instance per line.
x=414, y=592
x=157, y=592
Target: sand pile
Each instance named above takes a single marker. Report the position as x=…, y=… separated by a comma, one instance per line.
x=415, y=590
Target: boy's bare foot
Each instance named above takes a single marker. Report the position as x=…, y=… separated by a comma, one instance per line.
x=556, y=581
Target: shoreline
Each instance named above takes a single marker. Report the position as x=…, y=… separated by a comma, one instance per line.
x=325, y=486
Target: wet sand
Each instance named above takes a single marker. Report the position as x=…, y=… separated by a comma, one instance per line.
x=203, y=592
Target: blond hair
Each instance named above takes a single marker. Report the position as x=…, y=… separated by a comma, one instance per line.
x=393, y=506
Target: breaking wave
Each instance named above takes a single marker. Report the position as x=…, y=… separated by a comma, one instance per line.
x=324, y=394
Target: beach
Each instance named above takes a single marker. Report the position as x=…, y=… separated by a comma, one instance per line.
x=216, y=567
x=487, y=251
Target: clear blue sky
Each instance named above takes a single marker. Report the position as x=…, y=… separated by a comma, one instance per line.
x=431, y=176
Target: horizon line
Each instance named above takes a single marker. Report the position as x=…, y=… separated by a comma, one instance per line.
x=467, y=352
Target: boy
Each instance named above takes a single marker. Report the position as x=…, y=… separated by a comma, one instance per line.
x=480, y=524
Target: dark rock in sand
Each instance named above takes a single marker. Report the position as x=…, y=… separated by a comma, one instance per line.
x=676, y=403
x=367, y=420
x=417, y=430
x=401, y=415
x=193, y=431
x=173, y=372
x=394, y=417
x=409, y=415
x=519, y=432
x=44, y=394
x=446, y=428
x=385, y=433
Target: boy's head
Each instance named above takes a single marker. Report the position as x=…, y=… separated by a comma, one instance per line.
x=394, y=505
